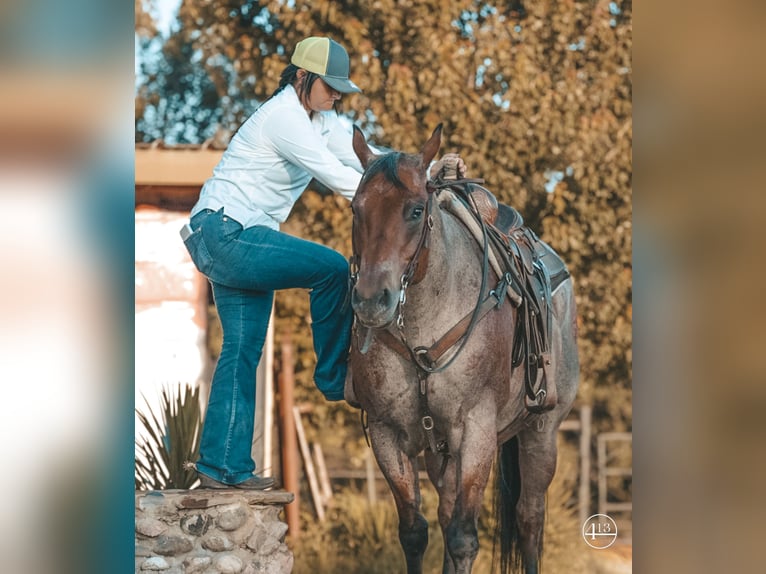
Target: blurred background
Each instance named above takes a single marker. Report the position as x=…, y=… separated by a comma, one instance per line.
x=70, y=71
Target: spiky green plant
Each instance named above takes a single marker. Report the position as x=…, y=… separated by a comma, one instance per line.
x=161, y=457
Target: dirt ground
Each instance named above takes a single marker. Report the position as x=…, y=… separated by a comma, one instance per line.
x=617, y=559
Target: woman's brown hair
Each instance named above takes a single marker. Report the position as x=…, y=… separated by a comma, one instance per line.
x=302, y=85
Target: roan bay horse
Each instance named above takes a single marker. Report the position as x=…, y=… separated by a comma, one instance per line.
x=419, y=274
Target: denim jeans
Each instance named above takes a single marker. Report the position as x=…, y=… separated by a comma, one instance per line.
x=245, y=267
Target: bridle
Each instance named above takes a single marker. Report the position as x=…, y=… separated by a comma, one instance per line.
x=416, y=267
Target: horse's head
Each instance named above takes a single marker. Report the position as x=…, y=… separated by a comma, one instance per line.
x=391, y=222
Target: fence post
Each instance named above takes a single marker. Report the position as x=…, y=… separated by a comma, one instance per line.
x=585, y=440
x=289, y=440
x=369, y=468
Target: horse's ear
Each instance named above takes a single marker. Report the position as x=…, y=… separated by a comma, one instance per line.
x=431, y=147
x=361, y=149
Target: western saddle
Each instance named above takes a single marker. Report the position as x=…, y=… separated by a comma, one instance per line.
x=535, y=271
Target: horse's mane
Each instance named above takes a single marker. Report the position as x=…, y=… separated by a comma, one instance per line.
x=388, y=166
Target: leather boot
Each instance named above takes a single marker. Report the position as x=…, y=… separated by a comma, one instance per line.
x=255, y=482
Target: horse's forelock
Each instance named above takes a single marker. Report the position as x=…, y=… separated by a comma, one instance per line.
x=388, y=166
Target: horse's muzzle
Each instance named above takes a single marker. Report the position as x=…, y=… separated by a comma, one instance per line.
x=376, y=310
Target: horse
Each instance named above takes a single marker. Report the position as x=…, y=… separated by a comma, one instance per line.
x=416, y=273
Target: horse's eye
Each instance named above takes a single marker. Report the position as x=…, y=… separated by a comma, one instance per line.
x=417, y=213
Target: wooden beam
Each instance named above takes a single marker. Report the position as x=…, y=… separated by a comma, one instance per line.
x=174, y=198
x=175, y=167
x=308, y=464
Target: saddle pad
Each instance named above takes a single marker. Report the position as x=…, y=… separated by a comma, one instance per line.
x=554, y=265
x=451, y=202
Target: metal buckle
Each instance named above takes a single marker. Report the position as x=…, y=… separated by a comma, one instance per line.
x=420, y=354
x=403, y=284
x=428, y=423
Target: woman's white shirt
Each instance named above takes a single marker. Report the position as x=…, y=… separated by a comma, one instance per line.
x=272, y=158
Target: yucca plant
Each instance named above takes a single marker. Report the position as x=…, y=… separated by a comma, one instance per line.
x=162, y=457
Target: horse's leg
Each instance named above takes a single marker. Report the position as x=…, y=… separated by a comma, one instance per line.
x=478, y=446
x=401, y=473
x=537, y=450
x=447, y=493
x=537, y=464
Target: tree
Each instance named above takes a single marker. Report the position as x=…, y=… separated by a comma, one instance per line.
x=535, y=96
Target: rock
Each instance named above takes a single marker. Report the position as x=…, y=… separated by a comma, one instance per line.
x=229, y=564
x=276, y=529
x=155, y=563
x=197, y=564
x=150, y=527
x=232, y=516
x=151, y=499
x=217, y=543
x=195, y=524
x=172, y=545
x=262, y=543
x=142, y=550
x=279, y=562
x=268, y=513
x=270, y=545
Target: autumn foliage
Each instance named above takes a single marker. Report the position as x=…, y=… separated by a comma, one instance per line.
x=535, y=96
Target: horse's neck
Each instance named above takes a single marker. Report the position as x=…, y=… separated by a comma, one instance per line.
x=451, y=283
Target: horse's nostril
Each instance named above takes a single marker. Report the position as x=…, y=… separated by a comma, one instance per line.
x=372, y=305
x=385, y=297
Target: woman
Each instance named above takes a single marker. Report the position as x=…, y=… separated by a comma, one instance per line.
x=234, y=239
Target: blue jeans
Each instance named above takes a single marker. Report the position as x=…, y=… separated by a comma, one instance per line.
x=245, y=267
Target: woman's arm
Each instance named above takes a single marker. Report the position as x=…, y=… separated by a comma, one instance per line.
x=295, y=140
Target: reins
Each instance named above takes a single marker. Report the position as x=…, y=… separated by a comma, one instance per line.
x=425, y=358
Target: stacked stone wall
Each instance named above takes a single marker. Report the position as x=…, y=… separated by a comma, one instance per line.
x=212, y=532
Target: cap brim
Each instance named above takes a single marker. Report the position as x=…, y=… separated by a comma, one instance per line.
x=343, y=85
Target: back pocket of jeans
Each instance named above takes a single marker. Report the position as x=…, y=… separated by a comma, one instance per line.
x=195, y=245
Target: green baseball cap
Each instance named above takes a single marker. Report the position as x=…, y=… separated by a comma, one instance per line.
x=326, y=58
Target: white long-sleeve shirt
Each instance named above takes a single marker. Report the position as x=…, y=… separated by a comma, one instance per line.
x=272, y=158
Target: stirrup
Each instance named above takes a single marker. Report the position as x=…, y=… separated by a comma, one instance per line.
x=543, y=402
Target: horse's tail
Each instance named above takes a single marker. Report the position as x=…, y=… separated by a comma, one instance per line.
x=507, y=492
